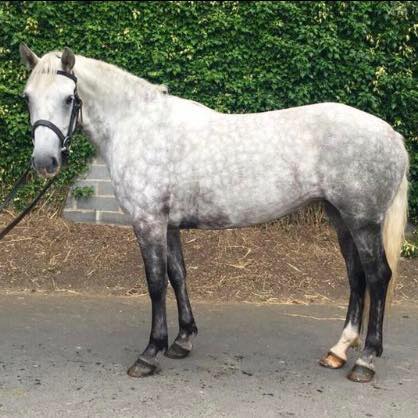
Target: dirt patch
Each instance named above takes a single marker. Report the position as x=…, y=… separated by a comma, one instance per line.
x=271, y=263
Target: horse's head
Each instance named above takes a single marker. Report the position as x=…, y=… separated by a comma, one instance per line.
x=53, y=105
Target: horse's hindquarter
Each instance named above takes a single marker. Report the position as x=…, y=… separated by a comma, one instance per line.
x=362, y=162
x=243, y=169
x=240, y=170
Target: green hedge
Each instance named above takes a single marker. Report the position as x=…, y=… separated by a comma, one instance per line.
x=232, y=56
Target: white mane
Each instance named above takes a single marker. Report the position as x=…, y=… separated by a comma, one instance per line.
x=47, y=67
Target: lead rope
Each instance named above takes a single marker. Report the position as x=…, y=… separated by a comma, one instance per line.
x=15, y=221
x=21, y=180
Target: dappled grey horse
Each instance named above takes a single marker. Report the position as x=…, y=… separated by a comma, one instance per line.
x=176, y=164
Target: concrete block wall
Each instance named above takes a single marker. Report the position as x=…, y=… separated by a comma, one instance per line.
x=102, y=207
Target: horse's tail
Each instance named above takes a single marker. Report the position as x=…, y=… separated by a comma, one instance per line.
x=394, y=229
x=394, y=225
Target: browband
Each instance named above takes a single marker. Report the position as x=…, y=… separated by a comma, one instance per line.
x=69, y=75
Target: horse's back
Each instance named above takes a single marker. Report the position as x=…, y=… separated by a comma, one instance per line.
x=243, y=169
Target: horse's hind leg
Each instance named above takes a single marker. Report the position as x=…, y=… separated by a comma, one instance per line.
x=369, y=243
x=336, y=356
x=176, y=270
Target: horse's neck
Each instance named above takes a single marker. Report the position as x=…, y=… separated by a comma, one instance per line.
x=109, y=105
x=97, y=117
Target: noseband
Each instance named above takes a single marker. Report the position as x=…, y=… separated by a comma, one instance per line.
x=75, y=112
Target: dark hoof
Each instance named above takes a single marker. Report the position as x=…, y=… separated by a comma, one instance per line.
x=177, y=351
x=143, y=368
x=332, y=361
x=361, y=374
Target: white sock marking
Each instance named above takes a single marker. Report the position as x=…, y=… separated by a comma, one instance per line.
x=348, y=338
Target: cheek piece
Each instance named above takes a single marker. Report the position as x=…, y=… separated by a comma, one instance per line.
x=76, y=110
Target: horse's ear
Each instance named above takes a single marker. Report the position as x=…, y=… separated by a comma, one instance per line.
x=67, y=59
x=29, y=58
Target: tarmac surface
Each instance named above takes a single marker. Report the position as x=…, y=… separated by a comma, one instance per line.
x=67, y=356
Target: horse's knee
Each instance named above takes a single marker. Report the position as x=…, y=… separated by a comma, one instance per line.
x=157, y=290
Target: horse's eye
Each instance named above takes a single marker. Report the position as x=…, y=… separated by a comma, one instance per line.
x=25, y=97
x=69, y=100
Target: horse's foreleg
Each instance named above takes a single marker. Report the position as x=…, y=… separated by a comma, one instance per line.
x=182, y=345
x=337, y=355
x=153, y=243
x=378, y=274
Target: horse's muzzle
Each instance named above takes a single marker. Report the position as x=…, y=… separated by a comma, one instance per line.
x=46, y=166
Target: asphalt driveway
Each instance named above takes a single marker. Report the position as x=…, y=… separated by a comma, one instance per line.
x=66, y=356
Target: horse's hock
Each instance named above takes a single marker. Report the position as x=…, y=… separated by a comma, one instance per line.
x=102, y=206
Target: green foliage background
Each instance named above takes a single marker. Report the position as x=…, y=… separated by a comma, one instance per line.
x=232, y=56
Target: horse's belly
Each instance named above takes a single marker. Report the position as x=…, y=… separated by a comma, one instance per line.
x=256, y=212
x=266, y=208
x=241, y=204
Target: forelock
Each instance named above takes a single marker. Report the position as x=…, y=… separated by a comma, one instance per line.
x=46, y=68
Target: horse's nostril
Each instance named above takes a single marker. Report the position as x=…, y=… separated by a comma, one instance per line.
x=46, y=165
x=54, y=163
x=53, y=166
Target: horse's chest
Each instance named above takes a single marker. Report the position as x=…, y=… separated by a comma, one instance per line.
x=141, y=186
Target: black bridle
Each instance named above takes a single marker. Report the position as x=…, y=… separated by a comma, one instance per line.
x=65, y=141
x=76, y=110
